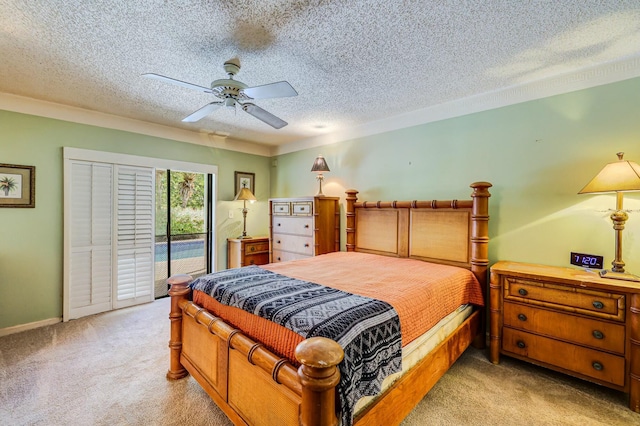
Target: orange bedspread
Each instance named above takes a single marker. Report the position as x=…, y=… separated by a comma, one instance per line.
x=422, y=293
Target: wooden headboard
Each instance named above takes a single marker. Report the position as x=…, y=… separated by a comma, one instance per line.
x=453, y=232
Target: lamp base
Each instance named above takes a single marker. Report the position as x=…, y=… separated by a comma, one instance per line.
x=605, y=273
x=243, y=237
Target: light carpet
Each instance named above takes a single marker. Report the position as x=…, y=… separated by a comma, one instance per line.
x=109, y=369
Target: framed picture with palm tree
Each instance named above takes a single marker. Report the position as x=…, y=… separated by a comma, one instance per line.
x=245, y=180
x=17, y=186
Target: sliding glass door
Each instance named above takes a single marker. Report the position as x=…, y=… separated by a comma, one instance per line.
x=183, y=226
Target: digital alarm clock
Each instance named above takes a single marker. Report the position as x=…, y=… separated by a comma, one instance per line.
x=586, y=260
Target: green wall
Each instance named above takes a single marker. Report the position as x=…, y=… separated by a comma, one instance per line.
x=537, y=155
x=31, y=240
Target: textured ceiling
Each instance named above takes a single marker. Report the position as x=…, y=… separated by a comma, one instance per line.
x=352, y=62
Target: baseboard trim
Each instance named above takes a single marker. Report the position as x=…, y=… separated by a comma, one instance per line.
x=30, y=326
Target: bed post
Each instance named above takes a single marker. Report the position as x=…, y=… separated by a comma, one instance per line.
x=319, y=376
x=178, y=292
x=480, y=247
x=351, y=218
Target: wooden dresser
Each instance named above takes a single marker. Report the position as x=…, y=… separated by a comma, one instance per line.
x=247, y=251
x=303, y=227
x=569, y=320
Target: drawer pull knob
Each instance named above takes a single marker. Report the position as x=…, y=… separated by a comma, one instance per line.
x=278, y=242
x=306, y=226
x=521, y=344
x=598, y=305
x=253, y=248
x=252, y=262
x=597, y=366
x=522, y=317
x=306, y=245
x=279, y=259
x=523, y=292
x=598, y=334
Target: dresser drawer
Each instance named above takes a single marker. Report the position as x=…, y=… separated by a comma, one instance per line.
x=302, y=208
x=567, y=298
x=293, y=243
x=283, y=256
x=293, y=225
x=256, y=259
x=588, y=362
x=597, y=334
x=257, y=247
x=281, y=208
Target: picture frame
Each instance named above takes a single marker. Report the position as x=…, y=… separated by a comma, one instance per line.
x=17, y=186
x=245, y=179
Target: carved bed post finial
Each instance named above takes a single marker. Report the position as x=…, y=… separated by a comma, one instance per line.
x=480, y=246
x=319, y=376
x=178, y=292
x=351, y=218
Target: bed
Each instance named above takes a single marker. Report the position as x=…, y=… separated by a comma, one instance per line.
x=257, y=385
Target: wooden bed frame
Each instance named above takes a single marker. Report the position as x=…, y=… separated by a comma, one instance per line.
x=255, y=387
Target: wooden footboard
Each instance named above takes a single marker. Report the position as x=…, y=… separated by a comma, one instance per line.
x=255, y=387
x=248, y=382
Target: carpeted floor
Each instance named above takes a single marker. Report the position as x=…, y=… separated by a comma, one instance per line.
x=109, y=369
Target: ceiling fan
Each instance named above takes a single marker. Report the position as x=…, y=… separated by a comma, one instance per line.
x=232, y=92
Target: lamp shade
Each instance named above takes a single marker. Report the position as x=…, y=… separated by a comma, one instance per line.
x=619, y=176
x=245, y=194
x=320, y=165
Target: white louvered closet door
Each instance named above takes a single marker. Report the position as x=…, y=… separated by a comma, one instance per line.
x=110, y=231
x=90, y=277
x=135, y=236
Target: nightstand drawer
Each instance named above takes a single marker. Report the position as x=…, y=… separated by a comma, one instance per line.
x=293, y=225
x=257, y=247
x=247, y=251
x=567, y=298
x=256, y=259
x=595, y=333
x=283, y=256
x=293, y=243
x=588, y=362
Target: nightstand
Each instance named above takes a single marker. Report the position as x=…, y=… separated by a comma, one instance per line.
x=569, y=320
x=247, y=251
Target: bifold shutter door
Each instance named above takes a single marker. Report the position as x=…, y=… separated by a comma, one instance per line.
x=135, y=236
x=90, y=238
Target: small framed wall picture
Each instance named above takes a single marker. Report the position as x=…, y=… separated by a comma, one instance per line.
x=17, y=186
x=245, y=180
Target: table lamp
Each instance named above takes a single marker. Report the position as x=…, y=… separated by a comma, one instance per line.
x=319, y=166
x=619, y=177
x=245, y=195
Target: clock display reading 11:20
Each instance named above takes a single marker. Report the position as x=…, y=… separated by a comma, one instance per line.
x=586, y=260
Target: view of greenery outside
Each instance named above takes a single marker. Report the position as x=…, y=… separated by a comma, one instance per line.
x=187, y=203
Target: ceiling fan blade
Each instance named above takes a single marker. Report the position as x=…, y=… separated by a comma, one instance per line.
x=281, y=89
x=263, y=115
x=178, y=82
x=202, y=112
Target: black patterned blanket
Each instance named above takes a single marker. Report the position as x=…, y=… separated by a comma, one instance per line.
x=367, y=329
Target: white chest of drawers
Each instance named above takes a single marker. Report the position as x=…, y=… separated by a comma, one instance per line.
x=303, y=227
